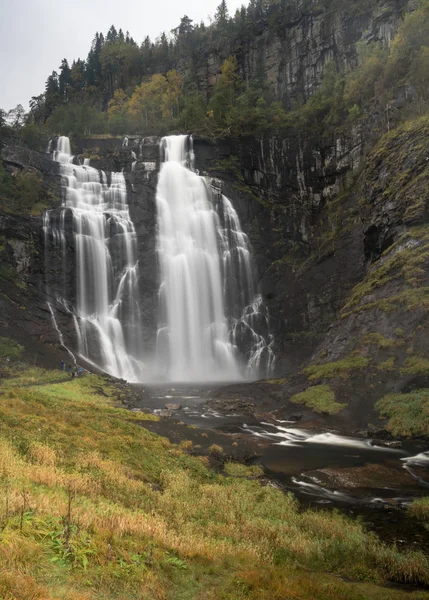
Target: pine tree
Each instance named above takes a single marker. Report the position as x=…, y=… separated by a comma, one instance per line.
x=221, y=14
x=64, y=80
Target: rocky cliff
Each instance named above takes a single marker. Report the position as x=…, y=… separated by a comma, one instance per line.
x=290, y=53
x=337, y=227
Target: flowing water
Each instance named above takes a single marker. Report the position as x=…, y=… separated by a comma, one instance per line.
x=209, y=314
x=109, y=327
x=321, y=468
x=212, y=325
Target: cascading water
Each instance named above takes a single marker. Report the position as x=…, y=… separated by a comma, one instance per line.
x=206, y=278
x=108, y=318
x=249, y=319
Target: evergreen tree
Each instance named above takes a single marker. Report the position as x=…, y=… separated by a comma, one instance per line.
x=112, y=35
x=221, y=14
x=64, y=80
x=93, y=64
x=52, y=93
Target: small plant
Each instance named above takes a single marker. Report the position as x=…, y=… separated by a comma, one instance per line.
x=216, y=450
x=319, y=398
x=186, y=445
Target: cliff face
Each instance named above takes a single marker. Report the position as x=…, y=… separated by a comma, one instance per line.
x=337, y=255
x=292, y=60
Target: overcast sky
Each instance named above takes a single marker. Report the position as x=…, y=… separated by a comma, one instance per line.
x=35, y=35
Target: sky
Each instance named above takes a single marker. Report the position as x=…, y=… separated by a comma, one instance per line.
x=35, y=35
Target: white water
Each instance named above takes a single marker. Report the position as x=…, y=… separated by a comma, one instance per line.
x=60, y=335
x=108, y=321
x=212, y=326
x=193, y=338
x=291, y=436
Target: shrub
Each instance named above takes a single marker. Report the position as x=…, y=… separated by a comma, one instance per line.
x=10, y=349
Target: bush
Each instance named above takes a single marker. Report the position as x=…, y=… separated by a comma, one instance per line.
x=10, y=349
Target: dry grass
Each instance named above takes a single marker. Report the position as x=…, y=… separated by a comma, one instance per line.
x=94, y=505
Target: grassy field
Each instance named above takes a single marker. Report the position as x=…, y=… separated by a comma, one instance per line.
x=93, y=505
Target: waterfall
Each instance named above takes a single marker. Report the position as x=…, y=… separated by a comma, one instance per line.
x=107, y=313
x=209, y=313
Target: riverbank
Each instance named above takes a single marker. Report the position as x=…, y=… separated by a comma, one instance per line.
x=95, y=503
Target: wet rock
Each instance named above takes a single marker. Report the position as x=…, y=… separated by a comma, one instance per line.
x=173, y=406
x=163, y=413
x=388, y=444
x=370, y=476
x=232, y=405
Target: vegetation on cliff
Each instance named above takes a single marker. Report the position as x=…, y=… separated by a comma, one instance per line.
x=320, y=398
x=93, y=503
x=408, y=414
x=123, y=87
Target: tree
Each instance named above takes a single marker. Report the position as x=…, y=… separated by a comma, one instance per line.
x=221, y=14
x=185, y=27
x=226, y=90
x=16, y=116
x=64, y=80
x=118, y=113
x=52, y=93
x=93, y=64
x=38, y=112
x=419, y=76
x=156, y=102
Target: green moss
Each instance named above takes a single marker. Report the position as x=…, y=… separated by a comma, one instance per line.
x=388, y=365
x=10, y=349
x=341, y=368
x=415, y=366
x=408, y=414
x=405, y=263
x=378, y=340
x=320, y=398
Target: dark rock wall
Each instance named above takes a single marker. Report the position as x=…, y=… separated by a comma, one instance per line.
x=291, y=58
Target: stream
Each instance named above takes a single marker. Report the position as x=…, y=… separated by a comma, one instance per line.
x=357, y=475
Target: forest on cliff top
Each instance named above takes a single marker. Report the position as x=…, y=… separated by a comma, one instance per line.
x=153, y=88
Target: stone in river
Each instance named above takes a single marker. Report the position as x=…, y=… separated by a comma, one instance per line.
x=173, y=406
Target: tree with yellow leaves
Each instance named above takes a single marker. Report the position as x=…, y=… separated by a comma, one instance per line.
x=156, y=101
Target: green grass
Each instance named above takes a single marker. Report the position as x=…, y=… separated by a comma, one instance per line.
x=378, y=340
x=419, y=509
x=408, y=414
x=93, y=505
x=341, y=369
x=415, y=366
x=387, y=365
x=238, y=470
x=319, y=398
x=280, y=381
x=404, y=261
x=16, y=378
